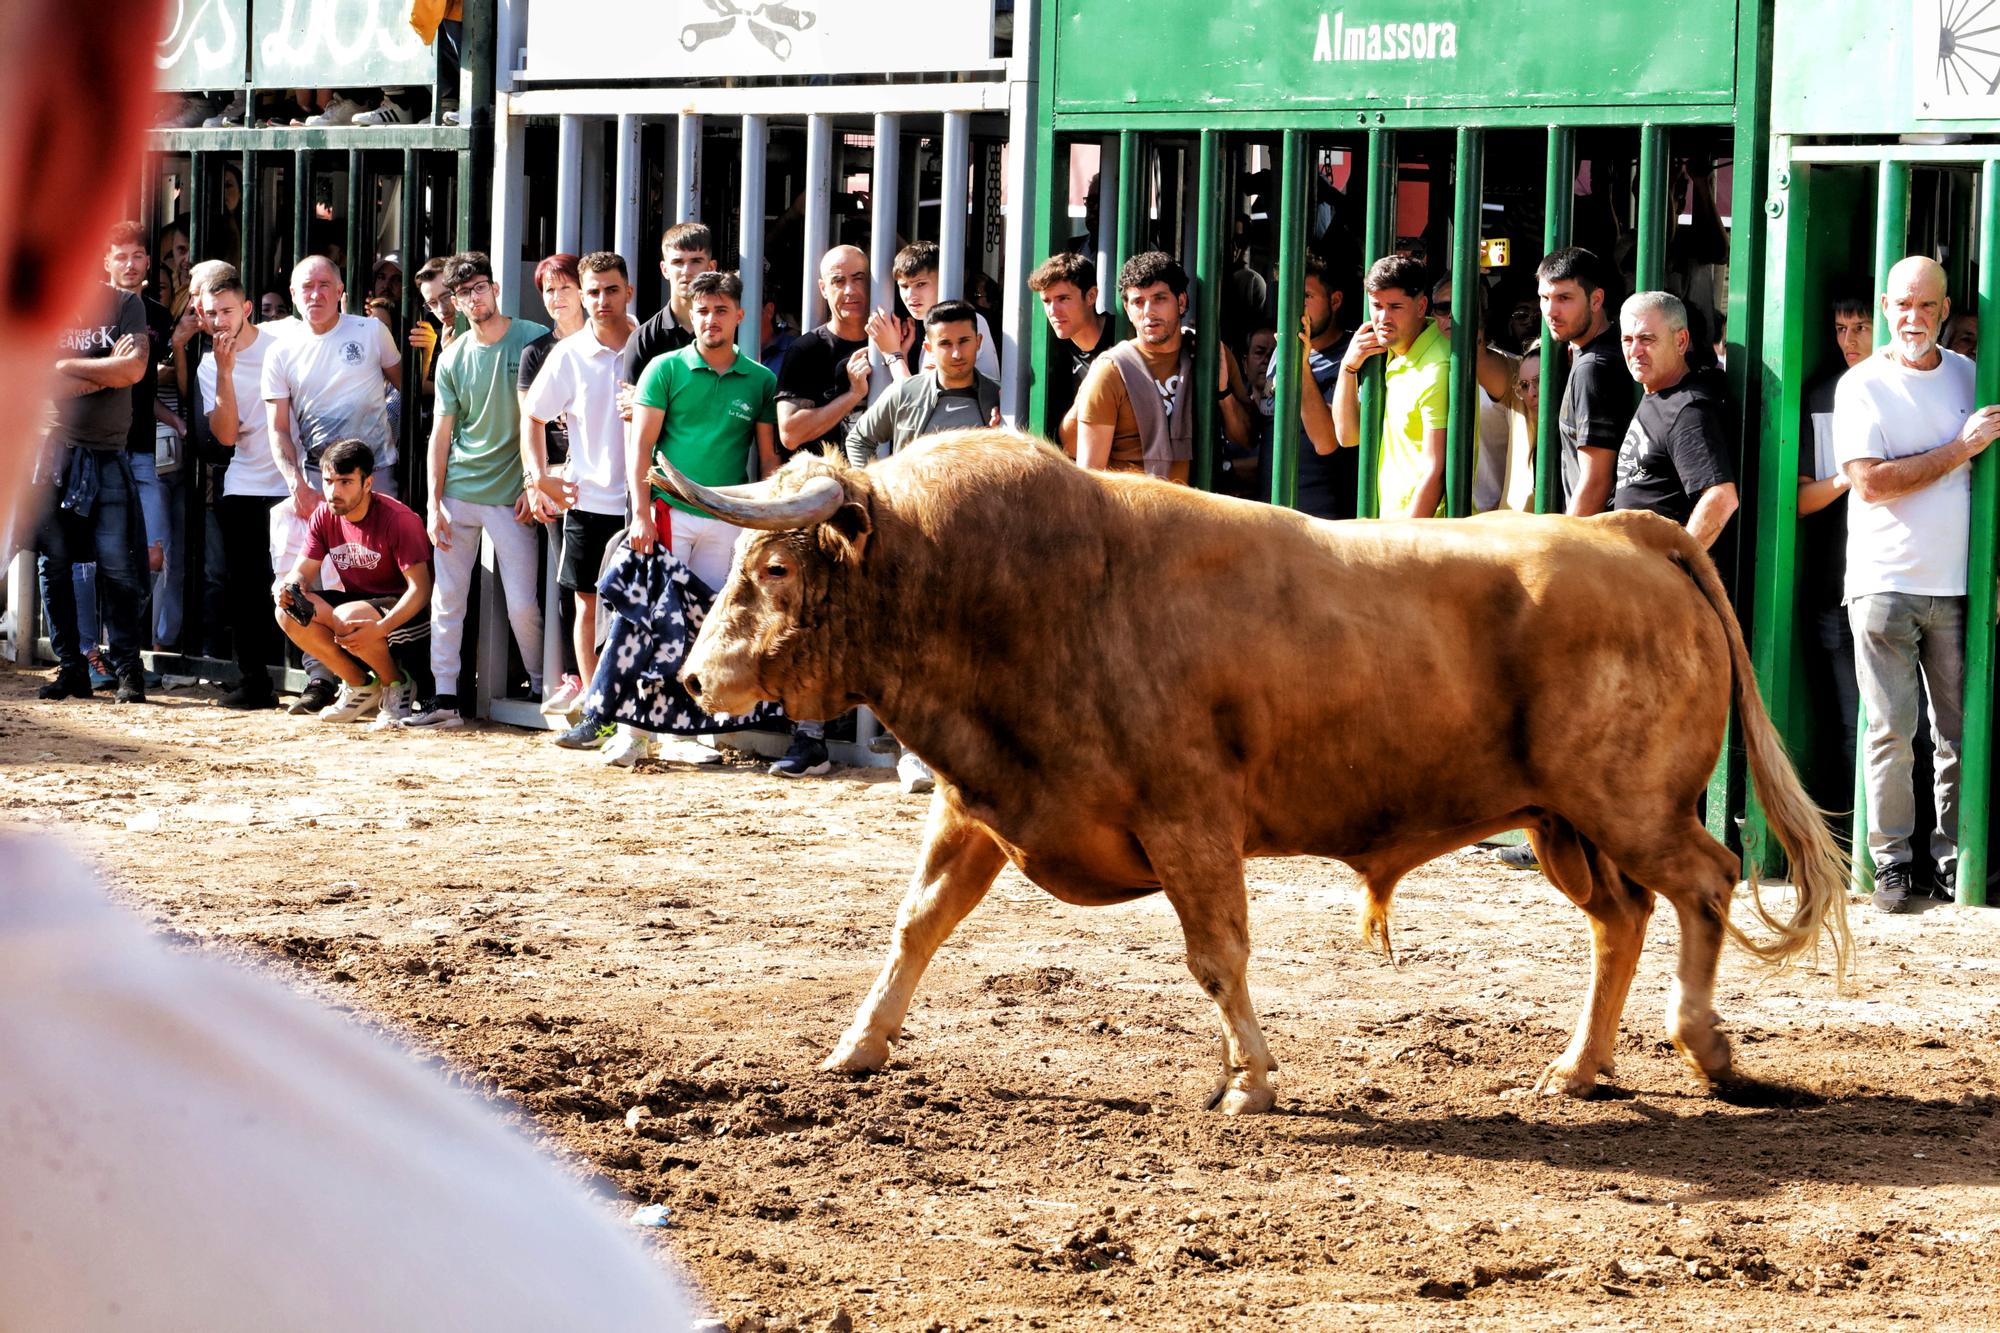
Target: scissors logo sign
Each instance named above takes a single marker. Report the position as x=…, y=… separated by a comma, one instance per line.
x=763, y=23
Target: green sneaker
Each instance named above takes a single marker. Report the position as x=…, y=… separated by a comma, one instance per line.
x=586, y=735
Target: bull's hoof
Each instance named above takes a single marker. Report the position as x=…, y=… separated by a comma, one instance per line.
x=1569, y=1078
x=857, y=1055
x=1242, y=1101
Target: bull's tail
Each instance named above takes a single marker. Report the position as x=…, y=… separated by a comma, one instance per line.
x=1819, y=867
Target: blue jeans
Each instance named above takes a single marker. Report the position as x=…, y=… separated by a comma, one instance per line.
x=112, y=536
x=159, y=503
x=1903, y=644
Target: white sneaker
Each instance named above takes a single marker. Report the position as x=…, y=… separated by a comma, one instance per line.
x=395, y=706
x=568, y=696
x=628, y=747
x=391, y=112
x=353, y=703
x=675, y=750
x=915, y=774
x=340, y=110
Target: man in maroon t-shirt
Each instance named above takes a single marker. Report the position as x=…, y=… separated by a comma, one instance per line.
x=378, y=548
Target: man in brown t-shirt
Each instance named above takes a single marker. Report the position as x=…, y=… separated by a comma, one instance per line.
x=1115, y=434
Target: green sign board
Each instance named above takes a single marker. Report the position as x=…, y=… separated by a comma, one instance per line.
x=205, y=46
x=336, y=44
x=1179, y=55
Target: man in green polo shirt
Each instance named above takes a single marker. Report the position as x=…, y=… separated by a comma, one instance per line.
x=475, y=484
x=703, y=409
x=1415, y=385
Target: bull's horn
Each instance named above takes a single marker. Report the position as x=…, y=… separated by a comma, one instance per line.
x=755, y=506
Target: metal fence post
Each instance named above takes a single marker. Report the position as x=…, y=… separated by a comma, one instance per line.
x=756, y=148
x=953, y=205
x=1976, y=784
x=687, y=168
x=569, y=186
x=1558, y=191
x=1207, y=281
x=302, y=206
x=819, y=217
x=1285, y=422
x=629, y=176
x=1651, y=257
x=1462, y=433
x=1378, y=239
x=1131, y=204
x=359, y=279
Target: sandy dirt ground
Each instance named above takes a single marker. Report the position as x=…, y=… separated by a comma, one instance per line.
x=578, y=941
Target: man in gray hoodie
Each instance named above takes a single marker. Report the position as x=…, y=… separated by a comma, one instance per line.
x=950, y=394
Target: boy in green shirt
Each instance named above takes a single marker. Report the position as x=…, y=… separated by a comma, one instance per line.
x=475, y=482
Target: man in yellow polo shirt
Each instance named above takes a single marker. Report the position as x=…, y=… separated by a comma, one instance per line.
x=1415, y=384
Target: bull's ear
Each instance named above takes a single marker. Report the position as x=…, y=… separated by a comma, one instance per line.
x=845, y=535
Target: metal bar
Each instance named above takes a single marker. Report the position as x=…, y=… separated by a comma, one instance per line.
x=687, y=171
x=1106, y=239
x=1872, y=152
x=1462, y=427
x=756, y=148
x=629, y=206
x=1378, y=239
x=1285, y=420
x=197, y=210
x=569, y=185
x=1558, y=204
x=1976, y=782
x=593, y=177
x=1131, y=203
x=250, y=267
x=884, y=176
x=416, y=481
x=1892, y=229
x=1207, y=282
x=302, y=204
x=1651, y=258
x=359, y=279
x=509, y=225
x=954, y=204
x=1892, y=226
x=1033, y=189
x=819, y=217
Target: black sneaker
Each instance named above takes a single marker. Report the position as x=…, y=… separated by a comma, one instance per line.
x=1944, y=885
x=317, y=694
x=247, y=696
x=1521, y=856
x=67, y=685
x=806, y=759
x=1893, y=886
x=131, y=687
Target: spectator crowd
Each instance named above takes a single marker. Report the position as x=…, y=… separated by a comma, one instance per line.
x=540, y=440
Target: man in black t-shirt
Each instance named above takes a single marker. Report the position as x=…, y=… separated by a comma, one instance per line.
x=1675, y=458
x=1067, y=284
x=687, y=250
x=822, y=391
x=1597, y=398
x=823, y=385
x=94, y=511
x=126, y=264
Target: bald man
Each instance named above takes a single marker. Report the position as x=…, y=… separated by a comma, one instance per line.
x=1905, y=429
x=822, y=391
x=328, y=379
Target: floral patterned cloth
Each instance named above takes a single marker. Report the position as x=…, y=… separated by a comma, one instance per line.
x=657, y=607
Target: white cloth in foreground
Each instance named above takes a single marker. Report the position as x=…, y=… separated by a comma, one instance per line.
x=189, y=1144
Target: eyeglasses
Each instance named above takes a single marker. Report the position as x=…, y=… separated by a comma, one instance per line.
x=472, y=289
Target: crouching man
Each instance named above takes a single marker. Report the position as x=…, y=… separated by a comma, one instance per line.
x=377, y=626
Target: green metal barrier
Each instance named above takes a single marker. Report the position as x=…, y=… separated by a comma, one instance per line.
x=1462, y=429
x=1378, y=239
x=1558, y=188
x=1285, y=423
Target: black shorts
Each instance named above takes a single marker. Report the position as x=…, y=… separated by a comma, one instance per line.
x=416, y=629
x=586, y=537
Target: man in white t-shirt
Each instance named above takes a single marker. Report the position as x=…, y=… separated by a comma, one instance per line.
x=1905, y=430
x=328, y=379
x=231, y=382
x=579, y=382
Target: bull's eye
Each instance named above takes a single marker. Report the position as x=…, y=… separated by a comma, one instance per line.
x=776, y=570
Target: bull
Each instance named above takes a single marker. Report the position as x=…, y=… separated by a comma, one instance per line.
x=1127, y=687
